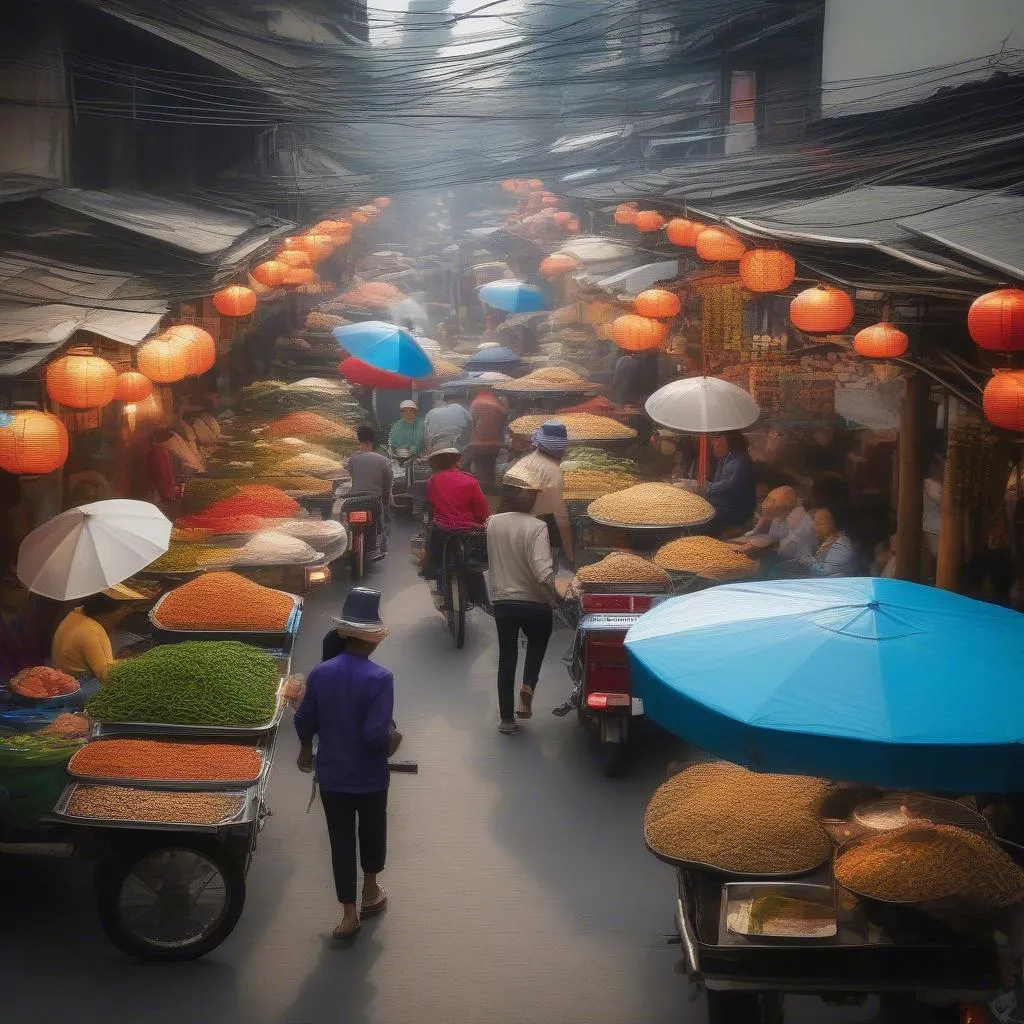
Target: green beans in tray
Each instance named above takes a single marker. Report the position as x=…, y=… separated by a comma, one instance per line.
x=193, y=683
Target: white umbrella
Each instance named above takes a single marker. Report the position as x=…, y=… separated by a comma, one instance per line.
x=85, y=550
x=702, y=405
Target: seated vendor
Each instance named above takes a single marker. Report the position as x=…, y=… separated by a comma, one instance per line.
x=81, y=643
x=785, y=530
x=731, y=490
x=457, y=501
x=407, y=432
x=836, y=554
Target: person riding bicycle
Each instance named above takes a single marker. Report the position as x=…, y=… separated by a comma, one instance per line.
x=458, y=503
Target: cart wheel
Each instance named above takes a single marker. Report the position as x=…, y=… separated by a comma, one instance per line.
x=744, y=1008
x=175, y=900
x=455, y=600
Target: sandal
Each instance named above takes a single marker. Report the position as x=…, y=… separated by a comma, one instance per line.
x=373, y=909
x=343, y=934
x=525, y=709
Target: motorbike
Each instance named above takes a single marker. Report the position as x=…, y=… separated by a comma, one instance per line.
x=364, y=517
x=408, y=470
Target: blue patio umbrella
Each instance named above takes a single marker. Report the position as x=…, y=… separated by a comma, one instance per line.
x=386, y=347
x=513, y=297
x=493, y=358
x=864, y=680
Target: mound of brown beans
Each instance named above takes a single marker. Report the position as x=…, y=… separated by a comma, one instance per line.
x=122, y=803
x=167, y=759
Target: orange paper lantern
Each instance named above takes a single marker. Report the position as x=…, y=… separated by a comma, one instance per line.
x=767, y=270
x=996, y=320
x=200, y=347
x=271, y=273
x=1003, y=400
x=319, y=247
x=648, y=221
x=81, y=380
x=536, y=184
x=559, y=263
x=625, y=213
x=294, y=258
x=509, y=185
x=638, y=333
x=657, y=302
x=881, y=341
x=235, y=301
x=164, y=360
x=822, y=310
x=382, y=202
x=132, y=387
x=34, y=444
x=720, y=245
x=360, y=218
x=300, y=276
x=683, y=232
x=564, y=218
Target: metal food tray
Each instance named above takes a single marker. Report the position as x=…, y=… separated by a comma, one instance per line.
x=629, y=589
x=659, y=526
x=104, y=730
x=736, y=892
x=182, y=784
x=276, y=638
x=246, y=814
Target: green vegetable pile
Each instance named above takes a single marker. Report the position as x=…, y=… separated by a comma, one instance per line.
x=595, y=458
x=193, y=683
x=28, y=748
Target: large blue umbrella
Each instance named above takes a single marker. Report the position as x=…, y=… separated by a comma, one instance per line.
x=386, y=347
x=513, y=297
x=866, y=680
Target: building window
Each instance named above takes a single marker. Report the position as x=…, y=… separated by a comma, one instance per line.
x=742, y=95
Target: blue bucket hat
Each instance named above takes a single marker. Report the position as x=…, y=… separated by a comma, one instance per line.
x=360, y=615
x=551, y=437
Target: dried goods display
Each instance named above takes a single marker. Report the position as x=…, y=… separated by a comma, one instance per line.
x=169, y=760
x=221, y=525
x=318, y=533
x=189, y=557
x=311, y=464
x=706, y=557
x=922, y=863
x=592, y=483
x=312, y=425
x=254, y=500
x=24, y=749
x=42, y=682
x=652, y=505
x=739, y=821
x=273, y=548
x=190, y=534
x=124, y=803
x=550, y=378
x=67, y=725
x=323, y=322
x=598, y=458
x=623, y=567
x=192, y=683
x=722, y=316
x=580, y=426
x=224, y=600
x=309, y=486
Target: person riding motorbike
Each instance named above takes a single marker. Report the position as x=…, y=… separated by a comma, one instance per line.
x=458, y=503
x=371, y=475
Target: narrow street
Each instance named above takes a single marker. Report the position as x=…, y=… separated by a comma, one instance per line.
x=520, y=886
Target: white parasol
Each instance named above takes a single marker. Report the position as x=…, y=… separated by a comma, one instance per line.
x=702, y=405
x=88, y=549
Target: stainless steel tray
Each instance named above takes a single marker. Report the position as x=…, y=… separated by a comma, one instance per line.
x=244, y=635
x=246, y=814
x=181, y=784
x=735, y=894
x=659, y=526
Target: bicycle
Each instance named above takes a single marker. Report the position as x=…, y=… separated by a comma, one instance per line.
x=463, y=563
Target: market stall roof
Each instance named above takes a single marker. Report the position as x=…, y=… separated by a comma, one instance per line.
x=19, y=358
x=637, y=279
x=54, y=323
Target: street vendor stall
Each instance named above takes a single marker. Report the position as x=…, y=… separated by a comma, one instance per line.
x=901, y=877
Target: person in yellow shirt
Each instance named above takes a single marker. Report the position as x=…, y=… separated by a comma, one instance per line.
x=81, y=643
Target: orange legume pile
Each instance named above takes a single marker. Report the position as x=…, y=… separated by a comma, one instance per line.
x=310, y=424
x=255, y=500
x=167, y=759
x=224, y=600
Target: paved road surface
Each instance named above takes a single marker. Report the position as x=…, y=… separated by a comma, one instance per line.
x=520, y=887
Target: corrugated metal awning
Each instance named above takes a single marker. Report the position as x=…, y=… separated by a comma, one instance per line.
x=54, y=323
x=18, y=359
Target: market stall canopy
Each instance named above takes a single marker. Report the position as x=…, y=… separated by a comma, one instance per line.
x=873, y=681
x=385, y=347
x=637, y=279
x=702, y=405
x=87, y=549
x=594, y=249
x=53, y=324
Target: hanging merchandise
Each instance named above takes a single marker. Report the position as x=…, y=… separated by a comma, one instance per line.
x=974, y=446
x=657, y=302
x=683, y=232
x=164, y=360
x=34, y=443
x=235, y=301
x=638, y=333
x=721, y=317
x=132, y=387
x=767, y=270
x=270, y=274
x=881, y=341
x=822, y=310
x=81, y=380
x=1003, y=400
x=719, y=245
x=649, y=221
x=996, y=320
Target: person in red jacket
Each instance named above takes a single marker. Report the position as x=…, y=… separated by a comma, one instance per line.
x=457, y=502
x=160, y=468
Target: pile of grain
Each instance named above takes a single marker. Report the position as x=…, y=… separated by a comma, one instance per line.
x=122, y=803
x=580, y=426
x=592, y=483
x=311, y=464
x=273, y=548
x=707, y=557
x=922, y=863
x=623, y=567
x=550, y=378
x=739, y=821
x=224, y=601
x=652, y=505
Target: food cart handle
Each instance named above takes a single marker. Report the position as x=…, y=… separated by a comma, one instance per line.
x=689, y=941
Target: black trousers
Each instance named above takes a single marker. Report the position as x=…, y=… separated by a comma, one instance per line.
x=536, y=622
x=341, y=811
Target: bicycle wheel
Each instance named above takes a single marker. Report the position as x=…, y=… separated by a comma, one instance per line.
x=459, y=614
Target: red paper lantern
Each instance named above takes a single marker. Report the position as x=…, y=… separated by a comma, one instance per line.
x=638, y=333
x=767, y=270
x=683, y=232
x=720, y=245
x=271, y=273
x=132, y=387
x=34, y=444
x=822, y=310
x=648, y=221
x=294, y=258
x=355, y=371
x=382, y=202
x=625, y=213
x=235, y=301
x=559, y=263
x=81, y=380
x=1003, y=400
x=881, y=341
x=657, y=302
x=164, y=360
x=996, y=320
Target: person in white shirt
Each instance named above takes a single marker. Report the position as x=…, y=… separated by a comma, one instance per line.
x=447, y=425
x=550, y=442
x=784, y=530
x=522, y=583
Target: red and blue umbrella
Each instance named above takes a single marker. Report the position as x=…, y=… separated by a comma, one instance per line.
x=385, y=347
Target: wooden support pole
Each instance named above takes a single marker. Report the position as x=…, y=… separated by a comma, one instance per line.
x=951, y=523
x=910, y=506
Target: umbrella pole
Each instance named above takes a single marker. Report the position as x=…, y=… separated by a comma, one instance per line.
x=702, y=460
x=910, y=460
